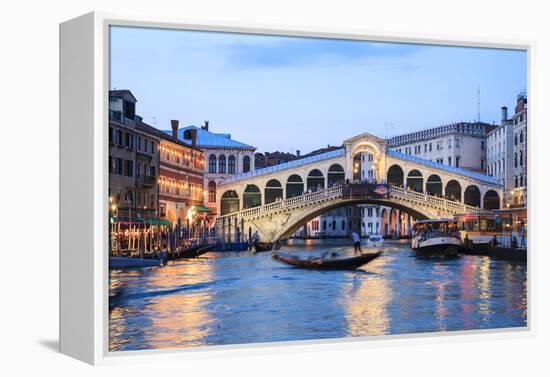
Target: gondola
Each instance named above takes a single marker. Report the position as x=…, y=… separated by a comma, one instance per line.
x=196, y=250
x=351, y=263
x=263, y=246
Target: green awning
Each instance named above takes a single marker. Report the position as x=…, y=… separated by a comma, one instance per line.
x=201, y=208
x=139, y=220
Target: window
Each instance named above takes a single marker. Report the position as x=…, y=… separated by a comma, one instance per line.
x=138, y=169
x=482, y=164
x=430, y=147
x=152, y=147
x=222, y=166
x=139, y=143
x=212, y=191
x=129, y=109
x=246, y=164
x=520, y=158
x=515, y=160
x=129, y=168
x=521, y=180
x=516, y=181
x=118, y=137
x=521, y=137
x=111, y=135
x=212, y=161
x=118, y=165
x=516, y=139
x=482, y=144
x=343, y=224
x=450, y=161
x=457, y=161
x=231, y=164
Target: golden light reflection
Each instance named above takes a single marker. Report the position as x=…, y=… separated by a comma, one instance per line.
x=365, y=301
x=181, y=319
x=484, y=273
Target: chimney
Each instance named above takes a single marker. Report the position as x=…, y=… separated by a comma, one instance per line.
x=205, y=127
x=297, y=153
x=193, y=133
x=504, y=114
x=175, y=124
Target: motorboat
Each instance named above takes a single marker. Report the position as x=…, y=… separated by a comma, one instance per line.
x=375, y=240
x=438, y=237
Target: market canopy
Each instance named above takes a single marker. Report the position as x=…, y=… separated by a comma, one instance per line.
x=201, y=208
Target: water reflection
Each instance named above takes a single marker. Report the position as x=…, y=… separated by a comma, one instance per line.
x=231, y=298
x=365, y=298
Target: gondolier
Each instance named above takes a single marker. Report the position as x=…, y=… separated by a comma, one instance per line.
x=356, y=243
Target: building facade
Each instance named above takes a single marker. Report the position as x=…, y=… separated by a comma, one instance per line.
x=181, y=176
x=461, y=145
x=223, y=157
x=518, y=194
x=133, y=160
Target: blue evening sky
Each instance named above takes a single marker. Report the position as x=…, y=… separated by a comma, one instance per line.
x=288, y=93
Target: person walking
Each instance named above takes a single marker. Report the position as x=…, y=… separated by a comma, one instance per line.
x=356, y=242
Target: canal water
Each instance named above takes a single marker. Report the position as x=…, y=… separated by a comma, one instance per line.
x=232, y=298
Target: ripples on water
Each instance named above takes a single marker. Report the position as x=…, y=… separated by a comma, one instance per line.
x=232, y=298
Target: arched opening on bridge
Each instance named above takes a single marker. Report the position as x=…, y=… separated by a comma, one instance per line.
x=434, y=185
x=229, y=202
x=294, y=186
x=336, y=175
x=453, y=191
x=246, y=164
x=491, y=200
x=415, y=181
x=252, y=197
x=395, y=176
x=384, y=222
x=273, y=191
x=393, y=221
x=472, y=196
x=315, y=180
x=211, y=191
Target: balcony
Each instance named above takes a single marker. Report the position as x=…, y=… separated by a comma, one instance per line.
x=147, y=181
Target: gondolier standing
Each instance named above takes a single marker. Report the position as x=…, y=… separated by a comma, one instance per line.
x=356, y=243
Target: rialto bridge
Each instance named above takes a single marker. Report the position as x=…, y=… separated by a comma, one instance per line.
x=277, y=200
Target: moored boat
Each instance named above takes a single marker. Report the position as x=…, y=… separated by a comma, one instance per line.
x=350, y=263
x=129, y=262
x=263, y=246
x=436, y=237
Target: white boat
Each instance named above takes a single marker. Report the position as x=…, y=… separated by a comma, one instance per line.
x=375, y=240
x=436, y=237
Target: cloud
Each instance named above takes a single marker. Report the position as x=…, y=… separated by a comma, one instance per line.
x=293, y=51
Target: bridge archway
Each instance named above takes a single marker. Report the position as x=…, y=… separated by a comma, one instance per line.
x=273, y=191
x=453, y=191
x=303, y=218
x=434, y=186
x=315, y=180
x=252, y=197
x=294, y=186
x=415, y=181
x=472, y=196
x=335, y=175
x=395, y=176
x=491, y=200
x=229, y=202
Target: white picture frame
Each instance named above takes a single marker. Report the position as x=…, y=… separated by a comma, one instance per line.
x=84, y=75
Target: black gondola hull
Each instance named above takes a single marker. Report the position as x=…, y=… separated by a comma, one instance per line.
x=351, y=263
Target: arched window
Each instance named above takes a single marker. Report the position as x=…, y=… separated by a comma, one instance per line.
x=520, y=158
x=395, y=176
x=231, y=164
x=515, y=160
x=294, y=186
x=472, y=196
x=273, y=191
x=246, y=164
x=252, y=197
x=212, y=191
x=516, y=139
x=453, y=191
x=335, y=175
x=212, y=162
x=521, y=137
x=315, y=180
x=415, y=181
x=221, y=163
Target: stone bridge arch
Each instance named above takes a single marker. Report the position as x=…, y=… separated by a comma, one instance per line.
x=293, y=220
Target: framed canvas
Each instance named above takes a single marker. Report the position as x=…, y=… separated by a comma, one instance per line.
x=245, y=187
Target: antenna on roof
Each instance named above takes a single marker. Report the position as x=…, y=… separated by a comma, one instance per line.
x=478, y=95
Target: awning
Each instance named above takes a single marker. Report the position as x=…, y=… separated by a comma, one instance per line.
x=201, y=208
x=139, y=220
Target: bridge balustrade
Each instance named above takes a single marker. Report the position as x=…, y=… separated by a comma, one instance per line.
x=337, y=192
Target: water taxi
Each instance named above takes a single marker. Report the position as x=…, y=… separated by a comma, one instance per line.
x=436, y=237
